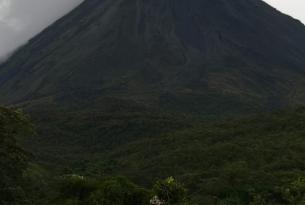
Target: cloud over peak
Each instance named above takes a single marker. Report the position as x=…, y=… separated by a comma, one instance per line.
x=22, y=19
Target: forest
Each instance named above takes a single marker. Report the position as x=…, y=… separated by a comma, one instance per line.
x=247, y=160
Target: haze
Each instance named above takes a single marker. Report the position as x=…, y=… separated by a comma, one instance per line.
x=22, y=19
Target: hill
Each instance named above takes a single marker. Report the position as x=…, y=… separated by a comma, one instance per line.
x=257, y=159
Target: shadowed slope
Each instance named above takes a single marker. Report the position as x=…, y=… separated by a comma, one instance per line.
x=167, y=54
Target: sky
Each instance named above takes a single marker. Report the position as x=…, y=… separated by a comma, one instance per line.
x=294, y=8
x=22, y=19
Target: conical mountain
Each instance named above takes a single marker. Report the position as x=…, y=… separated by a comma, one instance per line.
x=187, y=55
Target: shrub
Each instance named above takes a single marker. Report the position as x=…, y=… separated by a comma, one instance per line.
x=169, y=192
x=119, y=191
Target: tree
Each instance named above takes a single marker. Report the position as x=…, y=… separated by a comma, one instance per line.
x=119, y=191
x=75, y=189
x=169, y=192
x=13, y=160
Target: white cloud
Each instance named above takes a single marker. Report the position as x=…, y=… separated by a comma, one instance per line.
x=294, y=8
x=4, y=8
x=22, y=19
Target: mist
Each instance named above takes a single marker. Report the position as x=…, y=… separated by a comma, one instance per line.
x=20, y=20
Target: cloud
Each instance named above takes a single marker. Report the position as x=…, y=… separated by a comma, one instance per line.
x=22, y=19
x=4, y=8
x=294, y=8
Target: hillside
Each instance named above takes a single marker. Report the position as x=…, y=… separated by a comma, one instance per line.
x=254, y=160
x=150, y=89
x=231, y=160
x=251, y=160
x=203, y=57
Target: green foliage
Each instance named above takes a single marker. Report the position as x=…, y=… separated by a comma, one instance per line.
x=13, y=160
x=294, y=192
x=231, y=201
x=244, y=161
x=75, y=189
x=170, y=191
x=38, y=184
x=256, y=160
x=79, y=190
x=119, y=191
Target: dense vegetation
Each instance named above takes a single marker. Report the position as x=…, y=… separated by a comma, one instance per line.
x=24, y=182
x=78, y=190
x=254, y=160
x=259, y=158
x=13, y=160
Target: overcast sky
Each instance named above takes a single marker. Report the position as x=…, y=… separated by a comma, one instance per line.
x=22, y=19
x=294, y=8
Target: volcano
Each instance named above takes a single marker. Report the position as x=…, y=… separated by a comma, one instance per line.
x=190, y=56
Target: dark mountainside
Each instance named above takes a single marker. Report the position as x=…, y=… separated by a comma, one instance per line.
x=147, y=89
x=206, y=57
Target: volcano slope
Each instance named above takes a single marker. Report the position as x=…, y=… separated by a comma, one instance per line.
x=191, y=56
x=116, y=72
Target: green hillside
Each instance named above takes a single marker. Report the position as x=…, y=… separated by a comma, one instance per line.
x=253, y=160
x=13, y=160
x=238, y=160
x=235, y=159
